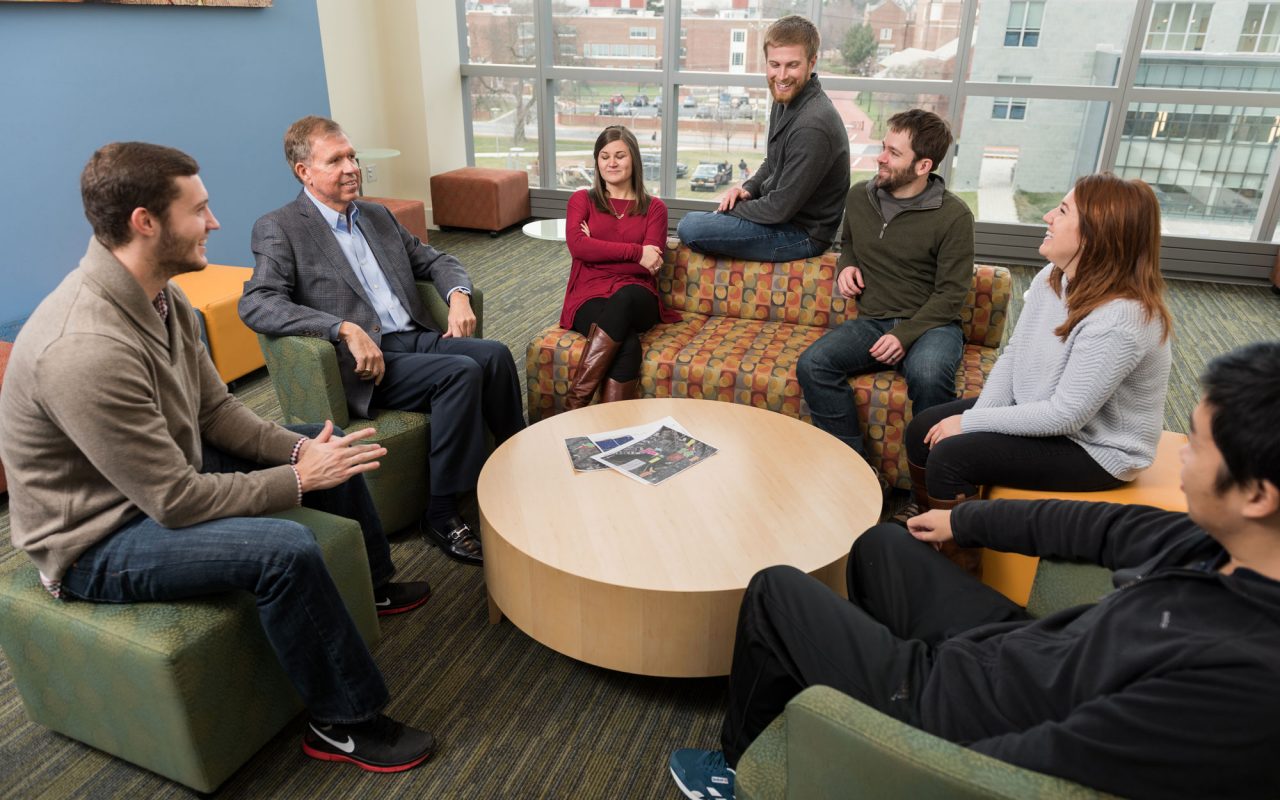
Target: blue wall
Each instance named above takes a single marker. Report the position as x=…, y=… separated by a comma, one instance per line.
x=220, y=83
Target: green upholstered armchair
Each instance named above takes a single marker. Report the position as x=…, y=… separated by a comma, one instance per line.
x=191, y=689
x=828, y=745
x=304, y=372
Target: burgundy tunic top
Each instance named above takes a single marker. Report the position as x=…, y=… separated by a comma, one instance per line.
x=609, y=258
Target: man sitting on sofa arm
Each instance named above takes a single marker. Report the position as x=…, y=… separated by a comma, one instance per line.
x=1138, y=695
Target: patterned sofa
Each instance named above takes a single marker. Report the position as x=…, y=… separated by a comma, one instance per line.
x=743, y=326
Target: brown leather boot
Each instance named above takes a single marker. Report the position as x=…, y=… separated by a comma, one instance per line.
x=619, y=390
x=968, y=559
x=919, y=502
x=595, y=361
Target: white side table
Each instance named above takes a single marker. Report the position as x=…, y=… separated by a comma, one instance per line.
x=550, y=229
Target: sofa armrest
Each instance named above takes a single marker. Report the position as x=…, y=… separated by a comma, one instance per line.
x=762, y=770
x=837, y=747
x=986, y=306
x=1063, y=584
x=439, y=309
x=304, y=371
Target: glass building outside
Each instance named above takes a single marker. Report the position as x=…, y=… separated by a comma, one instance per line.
x=1180, y=94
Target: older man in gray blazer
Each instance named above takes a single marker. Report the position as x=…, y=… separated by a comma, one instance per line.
x=334, y=267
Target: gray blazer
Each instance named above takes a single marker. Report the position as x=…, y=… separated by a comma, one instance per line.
x=302, y=284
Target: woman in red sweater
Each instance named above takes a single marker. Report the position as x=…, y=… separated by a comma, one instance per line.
x=616, y=232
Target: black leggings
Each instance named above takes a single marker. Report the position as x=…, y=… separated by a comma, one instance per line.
x=624, y=315
x=959, y=464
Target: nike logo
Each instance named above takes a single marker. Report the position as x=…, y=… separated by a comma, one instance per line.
x=347, y=747
x=383, y=603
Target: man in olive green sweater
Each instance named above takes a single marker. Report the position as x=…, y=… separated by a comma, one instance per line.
x=136, y=476
x=907, y=256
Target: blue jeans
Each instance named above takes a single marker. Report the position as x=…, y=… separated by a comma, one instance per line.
x=824, y=369
x=301, y=611
x=734, y=237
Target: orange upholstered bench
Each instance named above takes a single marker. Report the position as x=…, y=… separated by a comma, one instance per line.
x=480, y=198
x=1159, y=485
x=215, y=292
x=412, y=214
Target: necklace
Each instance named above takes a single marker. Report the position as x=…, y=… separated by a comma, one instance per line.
x=624, y=208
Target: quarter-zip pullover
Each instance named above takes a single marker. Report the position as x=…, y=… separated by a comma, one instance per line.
x=918, y=267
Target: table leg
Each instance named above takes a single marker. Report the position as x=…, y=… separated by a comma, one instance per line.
x=495, y=613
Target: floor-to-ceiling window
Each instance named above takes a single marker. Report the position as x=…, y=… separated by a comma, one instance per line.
x=1039, y=92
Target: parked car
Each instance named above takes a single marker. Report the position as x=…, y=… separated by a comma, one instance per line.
x=618, y=100
x=689, y=102
x=653, y=167
x=703, y=112
x=710, y=175
x=640, y=100
x=608, y=108
x=574, y=177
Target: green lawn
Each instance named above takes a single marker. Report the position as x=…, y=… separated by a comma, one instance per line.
x=1032, y=206
x=971, y=200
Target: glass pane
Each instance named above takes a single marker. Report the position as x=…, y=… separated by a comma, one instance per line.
x=1035, y=13
x=1015, y=170
x=504, y=124
x=501, y=33
x=1207, y=164
x=866, y=116
x=722, y=129
x=1017, y=13
x=1080, y=53
x=584, y=108
x=717, y=36
x=920, y=42
x=1219, y=65
x=629, y=37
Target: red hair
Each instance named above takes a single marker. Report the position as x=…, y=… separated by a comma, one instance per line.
x=1119, y=254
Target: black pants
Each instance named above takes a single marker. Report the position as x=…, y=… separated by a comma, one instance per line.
x=466, y=385
x=959, y=464
x=794, y=632
x=624, y=315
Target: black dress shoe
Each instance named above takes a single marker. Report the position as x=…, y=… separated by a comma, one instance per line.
x=397, y=598
x=457, y=541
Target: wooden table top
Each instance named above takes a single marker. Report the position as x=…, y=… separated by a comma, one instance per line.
x=779, y=491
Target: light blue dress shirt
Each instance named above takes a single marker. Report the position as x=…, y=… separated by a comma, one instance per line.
x=346, y=229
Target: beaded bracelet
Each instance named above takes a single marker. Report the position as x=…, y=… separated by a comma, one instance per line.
x=297, y=476
x=297, y=451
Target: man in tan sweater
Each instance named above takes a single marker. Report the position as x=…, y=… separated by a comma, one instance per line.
x=136, y=476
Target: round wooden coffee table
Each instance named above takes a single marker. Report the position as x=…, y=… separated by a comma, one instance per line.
x=648, y=579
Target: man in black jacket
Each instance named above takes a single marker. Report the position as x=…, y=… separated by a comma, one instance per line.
x=790, y=208
x=1166, y=687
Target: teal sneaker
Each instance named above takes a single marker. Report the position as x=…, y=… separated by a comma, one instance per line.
x=702, y=774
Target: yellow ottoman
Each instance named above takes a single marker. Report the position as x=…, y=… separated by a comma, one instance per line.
x=215, y=292
x=1158, y=485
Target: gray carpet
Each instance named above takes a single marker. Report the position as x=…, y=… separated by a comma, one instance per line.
x=516, y=720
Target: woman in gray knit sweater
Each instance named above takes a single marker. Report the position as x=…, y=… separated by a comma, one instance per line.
x=1076, y=400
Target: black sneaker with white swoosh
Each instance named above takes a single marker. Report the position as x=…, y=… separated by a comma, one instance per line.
x=378, y=745
x=397, y=598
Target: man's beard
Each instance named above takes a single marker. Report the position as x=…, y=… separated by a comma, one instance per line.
x=795, y=90
x=174, y=257
x=895, y=180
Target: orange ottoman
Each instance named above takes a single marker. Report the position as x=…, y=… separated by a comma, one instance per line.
x=5, y=349
x=412, y=214
x=215, y=292
x=480, y=198
x=1158, y=485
